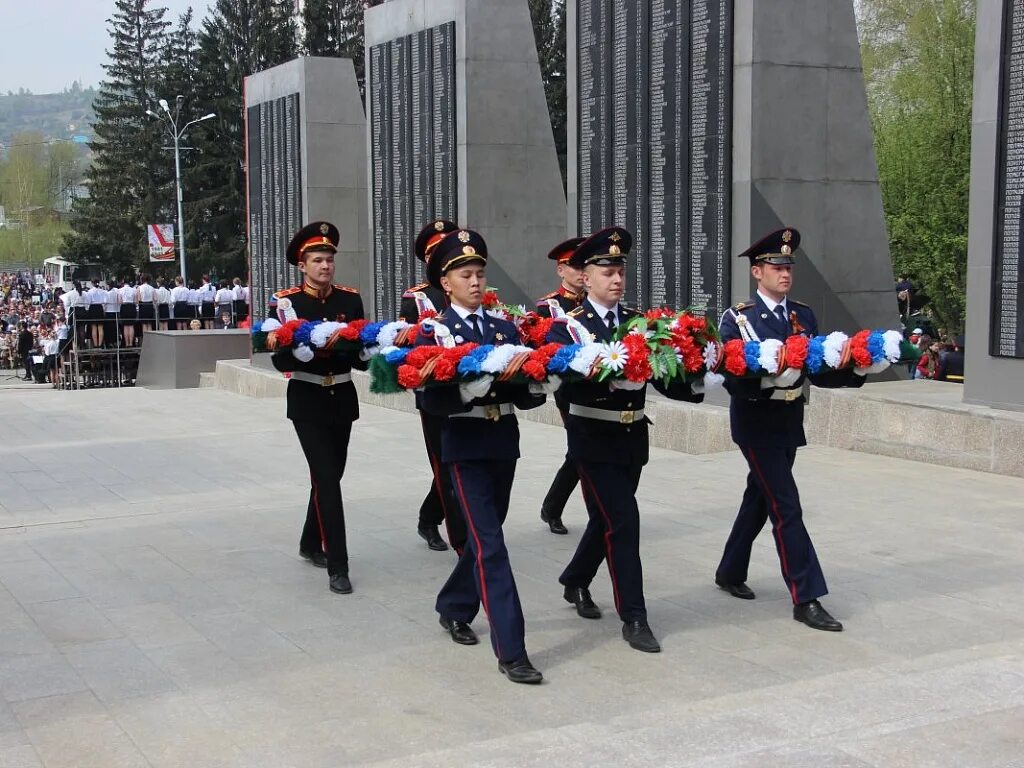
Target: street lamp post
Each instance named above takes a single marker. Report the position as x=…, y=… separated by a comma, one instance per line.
x=177, y=133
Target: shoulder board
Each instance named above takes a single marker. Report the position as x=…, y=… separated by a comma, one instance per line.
x=546, y=296
x=287, y=292
x=743, y=305
x=410, y=293
x=797, y=303
x=629, y=310
x=414, y=288
x=345, y=288
x=575, y=312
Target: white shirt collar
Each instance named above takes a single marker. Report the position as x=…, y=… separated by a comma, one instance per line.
x=772, y=304
x=602, y=310
x=464, y=313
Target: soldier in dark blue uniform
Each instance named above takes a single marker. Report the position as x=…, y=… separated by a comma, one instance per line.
x=608, y=441
x=480, y=445
x=767, y=417
x=322, y=402
x=555, y=304
x=439, y=504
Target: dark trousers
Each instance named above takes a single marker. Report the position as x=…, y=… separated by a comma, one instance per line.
x=561, y=487
x=772, y=493
x=440, y=505
x=326, y=449
x=612, y=535
x=26, y=359
x=483, y=573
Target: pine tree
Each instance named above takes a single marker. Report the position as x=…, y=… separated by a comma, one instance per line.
x=239, y=38
x=128, y=177
x=336, y=28
x=549, y=32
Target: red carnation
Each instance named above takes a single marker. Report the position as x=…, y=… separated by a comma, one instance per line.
x=409, y=377
x=287, y=331
x=658, y=313
x=635, y=344
x=735, y=358
x=535, y=369
x=536, y=329
x=796, y=351
x=418, y=357
x=637, y=369
x=426, y=314
x=349, y=333
x=456, y=353
x=859, y=349
x=444, y=369
x=490, y=299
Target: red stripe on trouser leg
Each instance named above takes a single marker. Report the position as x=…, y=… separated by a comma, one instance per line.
x=319, y=520
x=479, y=551
x=590, y=489
x=776, y=523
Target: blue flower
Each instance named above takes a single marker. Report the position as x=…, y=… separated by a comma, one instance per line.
x=302, y=333
x=397, y=356
x=752, y=353
x=369, y=334
x=815, y=354
x=559, y=362
x=876, y=346
x=472, y=363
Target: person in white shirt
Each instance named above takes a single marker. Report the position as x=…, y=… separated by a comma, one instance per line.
x=111, y=311
x=182, y=310
x=224, y=299
x=194, y=301
x=147, y=313
x=51, y=350
x=95, y=297
x=239, y=300
x=129, y=311
x=163, y=303
x=207, y=294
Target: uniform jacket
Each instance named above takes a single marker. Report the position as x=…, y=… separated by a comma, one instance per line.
x=757, y=420
x=409, y=310
x=567, y=301
x=606, y=441
x=474, y=439
x=313, y=402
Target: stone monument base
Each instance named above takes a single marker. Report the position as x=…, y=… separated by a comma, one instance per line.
x=175, y=359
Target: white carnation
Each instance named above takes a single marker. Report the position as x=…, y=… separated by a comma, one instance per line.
x=270, y=324
x=322, y=332
x=768, y=355
x=584, y=359
x=387, y=335
x=834, y=344
x=891, y=340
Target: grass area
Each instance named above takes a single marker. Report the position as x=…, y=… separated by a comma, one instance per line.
x=31, y=245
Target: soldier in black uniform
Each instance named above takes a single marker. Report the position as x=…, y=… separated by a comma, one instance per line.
x=480, y=445
x=555, y=304
x=608, y=441
x=439, y=504
x=766, y=416
x=322, y=401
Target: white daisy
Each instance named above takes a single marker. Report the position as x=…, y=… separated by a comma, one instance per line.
x=614, y=356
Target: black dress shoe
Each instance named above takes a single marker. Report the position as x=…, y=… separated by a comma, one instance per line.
x=814, y=616
x=430, y=535
x=460, y=631
x=640, y=637
x=554, y=523
x=319, y=559
x=341, y=584
x=585, y=606
x=521, y=671
x=741, y=590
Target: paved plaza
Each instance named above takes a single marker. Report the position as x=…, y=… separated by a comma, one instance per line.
x=154, y=610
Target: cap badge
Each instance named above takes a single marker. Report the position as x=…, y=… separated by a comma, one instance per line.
x=438, y=226
x=464, y=236
x=615, y=237
x=324, y=229
x=468, y=250
x=614, y=250
x=787, y=236
x=786, y=250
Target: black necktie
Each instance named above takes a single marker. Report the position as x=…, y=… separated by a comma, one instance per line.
x=609, y=320
x=780, y=312
x=474, y=323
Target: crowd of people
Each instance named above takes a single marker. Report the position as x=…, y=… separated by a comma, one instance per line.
x=942, y=354
x=39, y=322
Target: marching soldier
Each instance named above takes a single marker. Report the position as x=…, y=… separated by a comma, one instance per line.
x=555, y=304
x=439, y=504
x=766, y=417
x=480, y=446
x=322, y=402
x=608, y=441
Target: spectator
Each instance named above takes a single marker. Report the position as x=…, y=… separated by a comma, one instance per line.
x=26, y=343
x=951, y=366
x=224, y=299
x=928, y=364
x=224, y=322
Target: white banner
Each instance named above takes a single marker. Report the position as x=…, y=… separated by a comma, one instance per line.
x=161, y=242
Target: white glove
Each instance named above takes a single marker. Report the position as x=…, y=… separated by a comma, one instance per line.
x=878, y=367
x=471, y=390
x=545, y=387
x=711, y=381
x=626, y=384
x=367, y=352
x=784, y=380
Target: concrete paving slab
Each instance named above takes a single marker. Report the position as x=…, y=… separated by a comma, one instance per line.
x=173, y=623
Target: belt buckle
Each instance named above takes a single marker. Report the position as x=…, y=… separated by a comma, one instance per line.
x=328, y=380
x=627, y=417
x=492, y=412
x=792, y=394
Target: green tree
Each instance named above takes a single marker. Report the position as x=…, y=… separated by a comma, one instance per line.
x=128, y=176
x=336, y=28
x=237, y=39
x=549, y=32
x=918, y=65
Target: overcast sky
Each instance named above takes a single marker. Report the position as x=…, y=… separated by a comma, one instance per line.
x=47, y=44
